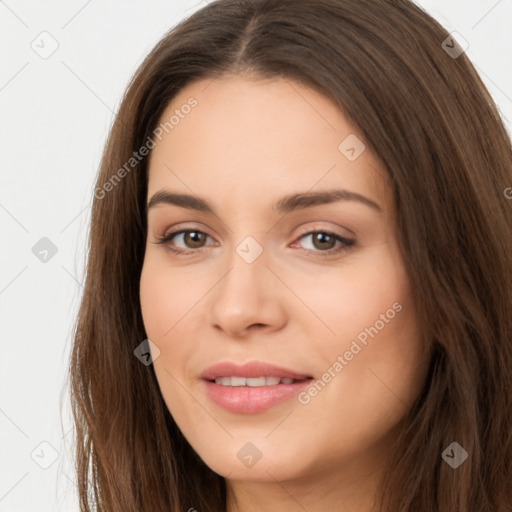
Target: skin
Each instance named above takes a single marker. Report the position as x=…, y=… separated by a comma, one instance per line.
x=247, y=143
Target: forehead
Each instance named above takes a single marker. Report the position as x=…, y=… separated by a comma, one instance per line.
x=249, y=140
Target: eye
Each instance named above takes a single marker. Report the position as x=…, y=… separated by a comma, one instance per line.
x=323, y=242
x=193, y=239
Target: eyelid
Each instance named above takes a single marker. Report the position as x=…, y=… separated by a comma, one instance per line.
x=179, y=229
x=170, y=234
x=316, y=228
x=307, y=230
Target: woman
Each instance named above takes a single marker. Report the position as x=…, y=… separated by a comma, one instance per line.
x=224, y=360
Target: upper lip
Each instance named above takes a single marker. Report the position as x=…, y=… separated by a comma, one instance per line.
x=251, y=369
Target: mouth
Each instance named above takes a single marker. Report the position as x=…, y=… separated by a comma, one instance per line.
x=252, y=387
x=249, y=395
x=251, y=374
x=254, y=382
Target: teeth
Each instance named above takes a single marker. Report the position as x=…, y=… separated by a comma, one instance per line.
x=237, y=381
x=256, y=381
x=252, y=381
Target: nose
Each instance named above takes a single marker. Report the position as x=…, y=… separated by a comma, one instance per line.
x=249, y=297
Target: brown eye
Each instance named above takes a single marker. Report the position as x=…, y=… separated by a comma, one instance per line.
x=323, y=241
x=190, y=241
x=194, y=239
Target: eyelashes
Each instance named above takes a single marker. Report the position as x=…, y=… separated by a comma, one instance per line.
x=344, y=244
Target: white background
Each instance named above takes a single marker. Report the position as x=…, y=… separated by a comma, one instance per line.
x=55, y=115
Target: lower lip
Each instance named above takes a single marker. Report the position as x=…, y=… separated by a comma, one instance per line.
x=250, y=400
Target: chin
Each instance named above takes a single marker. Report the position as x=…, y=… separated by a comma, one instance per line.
x=258, y=461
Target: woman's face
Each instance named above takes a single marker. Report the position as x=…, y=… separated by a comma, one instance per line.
x=314, y=286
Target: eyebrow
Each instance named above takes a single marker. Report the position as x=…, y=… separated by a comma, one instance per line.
x=286, y=204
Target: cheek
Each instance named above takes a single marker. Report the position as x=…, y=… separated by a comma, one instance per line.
x=168, y=296
x=373, y=347
x=344, y=301
x=173, y=301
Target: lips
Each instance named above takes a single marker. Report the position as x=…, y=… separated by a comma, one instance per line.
x=253, y=369
x=240, y=389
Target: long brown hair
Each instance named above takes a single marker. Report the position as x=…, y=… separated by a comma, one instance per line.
x=426, y=114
